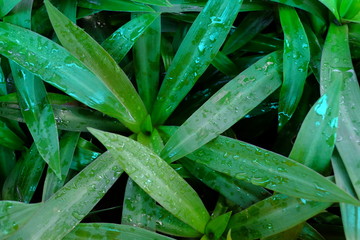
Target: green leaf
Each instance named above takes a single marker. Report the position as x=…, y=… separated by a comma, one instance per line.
x=350, y=10
x=336, y=65
x=196, y=52
x=318, y=131
x=248, y=28
x=38, y=115
x=261, y=167
x=157, y=179
x=67, y=148
x=155, y=2
x=168, y=224
x=138, y=207
x=24, y=178
x=115, y=5
x=13, y=215
x=68, y=117
x=313, y=7
x=6, y=6
x=58, y=67
x=226, y=107
x=7, y=163
x=350, y=214
x=85, y=153
x=296, y=59
x=272, y=215
x=8, y=138
x=146, y=54
x=315, y=51
x=68, y=206
x=332, y=5
x=242, y=193
x=87, y=50
x=110, y=231
x=121, y=41
x=216, y=227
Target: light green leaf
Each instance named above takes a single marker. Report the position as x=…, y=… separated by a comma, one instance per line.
x=110, y=231
x=68, y=206
x=313, y=7
x=24, y=178
x=332, y=5
x=296, y=59
x=157, y=179
x=216, y=227
x=196, y=52
x=87, y=50
x=58, y=67
x=155, y=2
x=232, y=102
x=318, y=131
x=273, y=215
x=261, y=167
x=13, y=215
x=121, y=41
x=115, y=5
x=336, y=65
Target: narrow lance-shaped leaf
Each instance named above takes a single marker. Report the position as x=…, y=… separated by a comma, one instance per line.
x=313, y=7
x=226, y=107
x=318, y=131
x=261, y=167
x=248, y=28
x=350, y=214
x=121, y=41
x=68, y=206
x=24, y=178
x=58, y=67
x=7, y=5
x=157, y=179
x=196, y=52
x=115, y=5
x=9, y=139
x=296, y=59
x=67, y=148
x=146, y=53
x=87, y=50
x=111, y=231
x=336, y=64
x=155, y=2
x=273, y=215
x=38, y=115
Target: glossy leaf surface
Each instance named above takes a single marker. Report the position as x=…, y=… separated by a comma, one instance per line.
x=115, y=5
x=7, y=5
x=157, y=179
x=226, y=107
x=87, y=50
x=196, y=52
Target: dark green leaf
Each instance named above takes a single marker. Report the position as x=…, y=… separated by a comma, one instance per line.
x=8, y=138
x=196, y=52
x=296, y=60
x=157, y=179
x=226, y=107
x=7, y=5
x=24, y=178
x=154, y=2
x=115, y=5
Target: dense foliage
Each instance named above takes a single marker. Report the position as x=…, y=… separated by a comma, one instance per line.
x=180, y=119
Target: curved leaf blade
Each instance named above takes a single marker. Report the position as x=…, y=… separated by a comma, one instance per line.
x=87, y=50
x=157, y=179
x=6, y=6
x=68, y=206
x=195, y=54
x=232, y=102
x=58, y=67
x=264, y=168
x=115, y=5
x=273, y=215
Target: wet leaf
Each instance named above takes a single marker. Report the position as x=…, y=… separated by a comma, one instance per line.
x=196, y=52
x=226, y=107
x=157, y=179
x=115, y=5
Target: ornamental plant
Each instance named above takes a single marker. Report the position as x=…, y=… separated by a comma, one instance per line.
x=179, y=119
